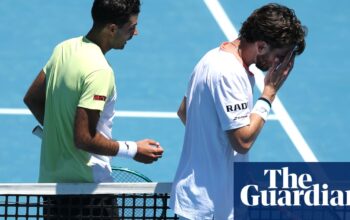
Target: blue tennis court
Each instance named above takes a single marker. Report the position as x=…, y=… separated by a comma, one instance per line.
x=308, y=122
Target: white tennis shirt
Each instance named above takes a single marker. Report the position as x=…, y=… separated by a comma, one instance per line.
x=101, y=165
x=219, y=98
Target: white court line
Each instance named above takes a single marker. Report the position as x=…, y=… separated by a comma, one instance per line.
x=14, y=111
x=138, y=114
x=129, y=114
x=125, y=114
x=282, y=115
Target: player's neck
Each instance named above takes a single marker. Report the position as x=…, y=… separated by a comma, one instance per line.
x=239, y=49
x=97, y=36
x=246, y=52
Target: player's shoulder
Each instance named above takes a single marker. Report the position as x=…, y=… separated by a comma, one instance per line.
x=69, y=41
x=219, y=58
x=66, y=45
x=221, y=62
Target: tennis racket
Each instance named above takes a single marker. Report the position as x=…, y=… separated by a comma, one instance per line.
x=125, y=175
x=38, y=131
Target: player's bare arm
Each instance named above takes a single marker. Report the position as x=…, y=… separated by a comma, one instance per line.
x=88, y=139
x=35, y=97
x=242, y=139
x=182, y=111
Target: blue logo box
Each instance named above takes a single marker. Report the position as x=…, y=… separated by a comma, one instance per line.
x=304, y=191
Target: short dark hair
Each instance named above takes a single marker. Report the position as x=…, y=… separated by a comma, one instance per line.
x=114, y=11
x=275, y=24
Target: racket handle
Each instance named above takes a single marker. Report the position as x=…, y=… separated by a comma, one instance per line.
x=38, y=131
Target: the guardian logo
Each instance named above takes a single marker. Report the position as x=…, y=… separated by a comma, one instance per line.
x=285, y=188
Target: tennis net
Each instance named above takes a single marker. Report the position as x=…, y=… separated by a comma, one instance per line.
x=85, y=201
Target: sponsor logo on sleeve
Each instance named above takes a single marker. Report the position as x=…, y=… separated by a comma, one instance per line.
x=99, y=98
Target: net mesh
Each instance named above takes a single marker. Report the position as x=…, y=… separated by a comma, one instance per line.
x=57, y=203
x=123, y=201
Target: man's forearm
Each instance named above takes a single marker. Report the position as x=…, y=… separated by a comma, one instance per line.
x=87, y=138
x=97, y=144
x=35, y=97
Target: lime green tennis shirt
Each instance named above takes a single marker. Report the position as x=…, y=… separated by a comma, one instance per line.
x=77, y=75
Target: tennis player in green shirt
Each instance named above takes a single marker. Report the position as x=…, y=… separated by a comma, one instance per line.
x=73, y=98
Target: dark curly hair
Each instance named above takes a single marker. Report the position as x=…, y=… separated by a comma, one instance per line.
x=277, y=25
x=114, y=11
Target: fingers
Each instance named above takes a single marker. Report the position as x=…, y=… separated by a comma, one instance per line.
x=276, y=65
x=289, y=61
x=156, y=145
x=152, y=142
x=277, y=74
x=285, y=63
x=291, y=64
x=279, y=71
x=148, y=151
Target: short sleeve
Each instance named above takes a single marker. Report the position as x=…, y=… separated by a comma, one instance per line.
x=95, y=89
x=231, y=101
x=49, y=65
